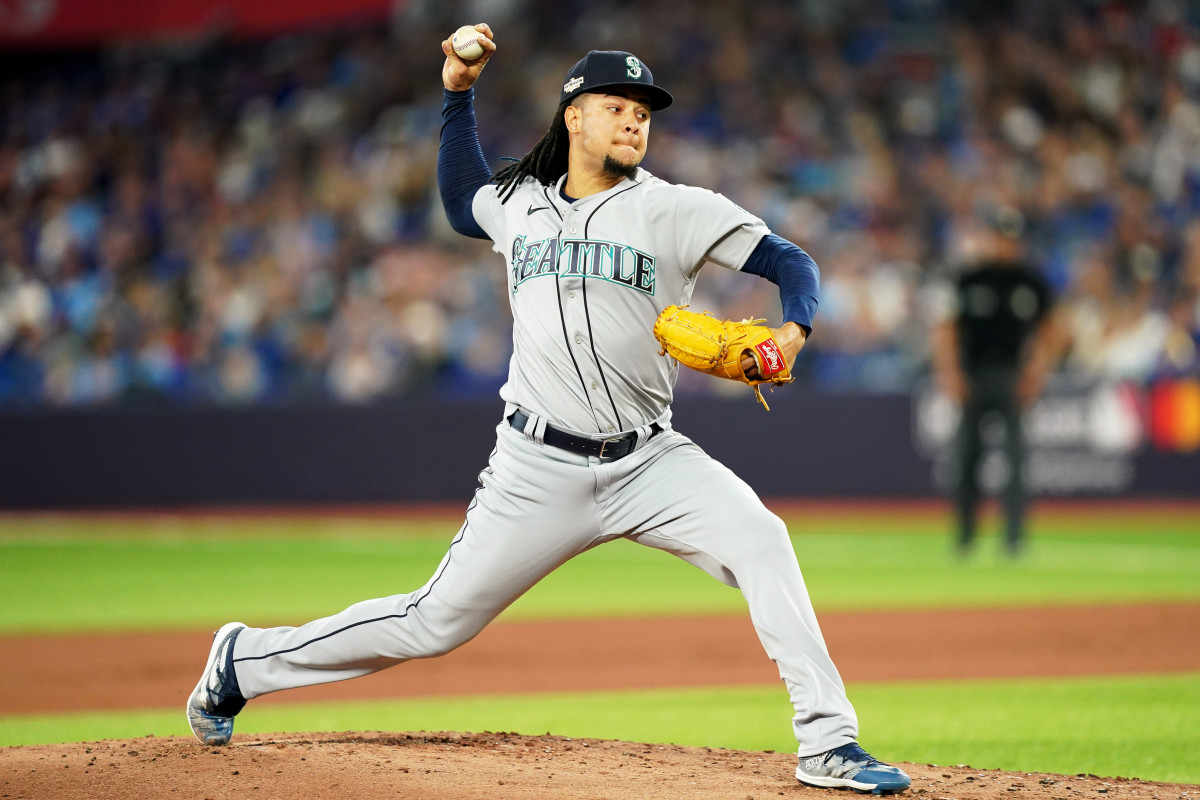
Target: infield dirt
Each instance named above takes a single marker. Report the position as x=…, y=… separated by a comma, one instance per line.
x=498, y=766
x=62, y=673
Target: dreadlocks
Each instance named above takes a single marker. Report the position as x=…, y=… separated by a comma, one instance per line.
x=545, y=162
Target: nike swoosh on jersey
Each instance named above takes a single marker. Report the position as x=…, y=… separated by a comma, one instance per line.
x=539, y=208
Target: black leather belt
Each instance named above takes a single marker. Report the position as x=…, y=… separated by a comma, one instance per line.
x=604, y=449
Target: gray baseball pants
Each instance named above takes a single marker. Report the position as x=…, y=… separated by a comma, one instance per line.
x=537, y=507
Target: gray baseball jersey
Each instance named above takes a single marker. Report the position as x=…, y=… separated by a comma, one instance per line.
x=587, y=280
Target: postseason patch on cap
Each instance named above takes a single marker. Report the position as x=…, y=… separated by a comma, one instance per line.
x=610, y=69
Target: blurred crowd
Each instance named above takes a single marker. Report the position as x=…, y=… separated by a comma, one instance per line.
x=257, y=222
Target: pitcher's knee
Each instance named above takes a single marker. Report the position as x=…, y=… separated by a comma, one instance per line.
x=766, y=536
x=434, y=636
x=440, y=647
x=420, y=631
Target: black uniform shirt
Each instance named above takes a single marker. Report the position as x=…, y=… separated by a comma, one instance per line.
x=999, y=305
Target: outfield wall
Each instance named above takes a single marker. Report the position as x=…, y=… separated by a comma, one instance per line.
x=808, y=445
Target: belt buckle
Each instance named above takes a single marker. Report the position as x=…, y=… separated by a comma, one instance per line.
x=616, y=443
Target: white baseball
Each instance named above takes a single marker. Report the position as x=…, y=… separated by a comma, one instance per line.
x=465, y=42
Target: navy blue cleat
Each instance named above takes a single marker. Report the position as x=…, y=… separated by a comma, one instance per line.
x=216, y=700
x=851, y=767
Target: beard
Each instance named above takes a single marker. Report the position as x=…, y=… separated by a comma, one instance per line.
x=619, y=170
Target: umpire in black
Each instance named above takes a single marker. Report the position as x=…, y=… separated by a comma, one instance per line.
x=992, y=355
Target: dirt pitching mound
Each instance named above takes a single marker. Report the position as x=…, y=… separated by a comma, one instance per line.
x=497, y=766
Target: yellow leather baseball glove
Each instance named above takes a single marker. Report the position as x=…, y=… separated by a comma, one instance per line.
x=716, y=347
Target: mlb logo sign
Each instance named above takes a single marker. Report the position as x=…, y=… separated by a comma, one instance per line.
x=769, y=357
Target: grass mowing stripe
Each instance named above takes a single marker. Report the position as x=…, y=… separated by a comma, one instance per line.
x=142, y=575
x=1139, y=726
x=1128, y=726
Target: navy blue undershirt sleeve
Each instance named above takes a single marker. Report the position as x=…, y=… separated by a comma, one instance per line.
x=462, y=169
x=794, y=272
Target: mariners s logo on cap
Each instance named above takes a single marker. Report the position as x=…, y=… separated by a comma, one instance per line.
x=611, y=69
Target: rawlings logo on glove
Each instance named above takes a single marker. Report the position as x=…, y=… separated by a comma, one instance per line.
x=717, y=347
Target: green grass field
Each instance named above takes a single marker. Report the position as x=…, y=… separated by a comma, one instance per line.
x=74, y=573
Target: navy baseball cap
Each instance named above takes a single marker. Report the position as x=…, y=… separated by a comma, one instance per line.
x=609, y=69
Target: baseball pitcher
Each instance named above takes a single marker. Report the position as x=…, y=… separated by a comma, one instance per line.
x=601, y=258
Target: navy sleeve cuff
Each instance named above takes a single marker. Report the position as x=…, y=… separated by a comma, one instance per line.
x=794, y=272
